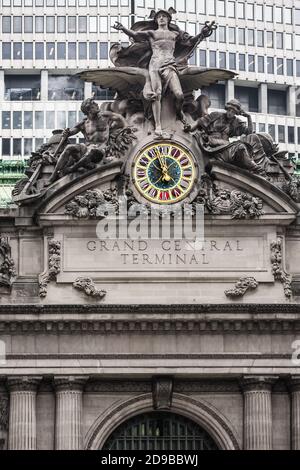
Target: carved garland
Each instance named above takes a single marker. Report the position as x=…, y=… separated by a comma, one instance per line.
x=93, y=203
x=277, y=269
x=7, y=265
x=242, y=286
x=87, y=285
x=54, y=258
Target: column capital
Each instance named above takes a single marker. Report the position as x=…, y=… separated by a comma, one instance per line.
x=66, y=382
x=23, y=383
x=293, y=383
x=251, y=383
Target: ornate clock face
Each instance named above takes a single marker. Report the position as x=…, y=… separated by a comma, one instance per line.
x=164, y=173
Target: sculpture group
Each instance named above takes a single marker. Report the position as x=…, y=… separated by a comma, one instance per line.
x=154, y=88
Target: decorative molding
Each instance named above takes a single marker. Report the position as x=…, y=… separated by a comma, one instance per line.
x=7, y=264
x=242, y=286
x=162, y=391
x=222, y=201
x=23, y=383
x=257, y=382
x=64, y=383
x=277, y=268
x=54, y=259
x=87, y=285
x=167, y=309
x=93, y=204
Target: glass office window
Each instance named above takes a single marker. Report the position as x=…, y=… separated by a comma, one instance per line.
x=298, y=69
x=103, y=50
x=250, y=11
x=222, y=33
x=251, y=41
x=6, y=24
x=291, y=135
x=17, y=50
x=17, y=119
x=50, y=120
x=242, y=62
x=82, y=24
x=262, y=127
x=241, y=10
x=72, y=24
x=232, y=61
x=28, y=3
x=297, y=17
x=17, y=24
x=212, y=58
x=251, y=63
x=259, y=12
x=103, y=24
x=201, y=4
x=28, y=24
x=5, y=119
x=61, y=120
x=270, y=65
x=180, y=5
x=202, y=58
x=6, y=50
x=279, y=66
x=82, y=51
x=50, y=50
x=270, y=41
x=281, y=134
x=231, y=32
x=61, y=3
x=39, y=50
x=242, y=39
x=260, y=38
x=50, y=24
x=6, y=147
x=61, y=24
x=93, y=50
x=297, y=42
x=72, y=3
x=61, y=50
x=28, y=119
x=271, y=130
x=231, y=9
x=39, y=24
x=71, y=118
x=72, y=50
x=82, y=3
x=39, y=3
x=28, y=50
x=222, y=60
x=17, y=3
x=288, y=15
x=27, y=147
x=221, y=8
x=50, y=3
x=39, y=119
x=278, y=14
x=211, y=7
x=213, y=37
x=289, y=67
x=279, y=40
x=269, y=13
x=93, y=24
x=289, y=41
x=277, y=103
x=261, y=64
x=38, y=143
x=17, y=147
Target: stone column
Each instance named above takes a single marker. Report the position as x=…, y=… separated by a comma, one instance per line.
x=4, y=412
x=22, y=413
x=68, y=421
x=263, y=98
x=229, y=90
x=257, y=412
x=294, y=386
x=44, y=85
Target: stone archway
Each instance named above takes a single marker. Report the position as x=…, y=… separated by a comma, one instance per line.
x=199, y=411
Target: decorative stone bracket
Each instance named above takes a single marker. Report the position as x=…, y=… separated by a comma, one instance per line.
x=87, y=285
x=7, y=265
x=162, y=391
x=54, y=258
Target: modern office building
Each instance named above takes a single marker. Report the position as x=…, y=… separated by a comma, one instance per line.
x=45, y=42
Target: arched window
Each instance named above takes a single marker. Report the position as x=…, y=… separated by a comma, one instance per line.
x=159, y=431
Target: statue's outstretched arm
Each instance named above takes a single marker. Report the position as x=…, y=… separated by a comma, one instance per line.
x=136, y=35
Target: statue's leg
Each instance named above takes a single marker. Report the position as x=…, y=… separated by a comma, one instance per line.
x=88, y=159
x=62, y=161
x=241, y=157
x=156, y=104
x=176, y=89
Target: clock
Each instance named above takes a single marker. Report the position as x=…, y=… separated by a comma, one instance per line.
x=164, y=173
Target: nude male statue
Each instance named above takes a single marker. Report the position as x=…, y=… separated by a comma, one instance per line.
x=162, y=66
x=96, y=128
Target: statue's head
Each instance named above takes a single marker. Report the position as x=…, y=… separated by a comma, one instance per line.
x=233, y=108
x=162, y=17
x=89, y=106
